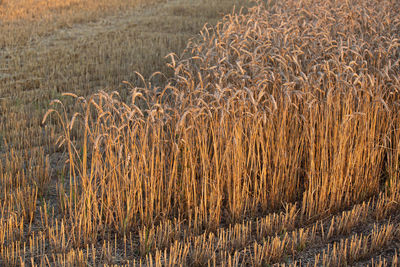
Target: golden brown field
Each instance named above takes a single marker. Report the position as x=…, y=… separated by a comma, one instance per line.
x=273, y=139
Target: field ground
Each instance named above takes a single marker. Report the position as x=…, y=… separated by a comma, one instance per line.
x=273, y=140
x=84, y=53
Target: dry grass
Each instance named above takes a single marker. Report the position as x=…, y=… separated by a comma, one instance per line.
x=275, y=141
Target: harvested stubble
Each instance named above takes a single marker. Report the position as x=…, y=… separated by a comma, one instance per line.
x=277, y=138
x=45, y=16
x=49, y=47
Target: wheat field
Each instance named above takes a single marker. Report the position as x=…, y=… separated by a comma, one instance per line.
x=270, y=138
